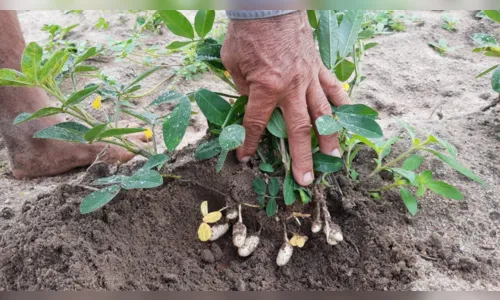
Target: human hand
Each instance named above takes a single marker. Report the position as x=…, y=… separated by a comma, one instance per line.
x=276, y=63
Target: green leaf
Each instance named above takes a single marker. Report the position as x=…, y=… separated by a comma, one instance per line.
x=158, y=160
x=176, y=124
x=409, y=129
x=366, y=34
x=268, y=168
x=168, y=97
x=31, y=59
x=145, y=116
x=348, y=31
x=177, y=23
x=495, y=80
x=143, y=179
x=98, y=199
x=272, y=207
x=10, y=77
x=237, y=109
x=425, y=176
x=313, y=19
x=326, y=163
x=113, y=132
x=274, y=186
x=304, y=196
x=209, y=53
x=44, y=112
x=53, y=66
x=91, y=52
x=208, y=150
x=358, y=109
x=487, y=71
x=421, y=190
x=132, y=89
x=259, y=186
x=81, y=69
x=63, y=132
x=484, y=40
x=409, y=201
x=344, y=70
x=360, y=125
x=262, y=201
x=327, y=125
x=276, y=125
x=177, y=44
x=370, y=45
x=410, y=175
x=328, y=37
x=94, y=132
x=213, y=106
x=444, y=189
x=232, y=137
x=222, y=160
x=80, y=96
x=115, y=179
x=493, y=14
x=288, y=189
x=143, y=76
x=413, y=162
x=456, y=165
x=203, y=22
x=452, y=150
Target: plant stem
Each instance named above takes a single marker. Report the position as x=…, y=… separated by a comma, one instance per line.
x=227, y=95
x=73, y=82
x=117, y=110
x=284, y=155
x=155, y=148
x=385, y=188
x=394, y=161
x=153, y=89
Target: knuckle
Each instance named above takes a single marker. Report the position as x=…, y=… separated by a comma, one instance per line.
x=254, y=128
x=303, y=159
x=321, y=106
x=301, y=128
x=271, y=84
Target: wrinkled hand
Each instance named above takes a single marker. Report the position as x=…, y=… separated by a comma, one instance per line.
x=276, y=63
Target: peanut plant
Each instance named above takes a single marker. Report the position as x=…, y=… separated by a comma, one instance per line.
x=341, y=38
x=489, y=46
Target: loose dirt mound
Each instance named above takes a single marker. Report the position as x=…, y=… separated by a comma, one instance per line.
x=147, y=240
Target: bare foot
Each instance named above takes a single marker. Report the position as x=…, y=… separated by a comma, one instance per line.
x=30, y=157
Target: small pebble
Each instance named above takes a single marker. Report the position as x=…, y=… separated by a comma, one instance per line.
x=241, y=285
x=170, y=278
x=7, y=213
x=217, y=251
x=207, y=256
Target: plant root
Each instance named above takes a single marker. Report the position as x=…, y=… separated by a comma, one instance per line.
x=492, y=104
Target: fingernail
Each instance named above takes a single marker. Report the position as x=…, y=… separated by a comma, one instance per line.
x=245, y=159
x=336, y=153
x=307, y=179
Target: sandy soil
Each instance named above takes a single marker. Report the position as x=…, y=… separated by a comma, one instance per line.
x=147, y=240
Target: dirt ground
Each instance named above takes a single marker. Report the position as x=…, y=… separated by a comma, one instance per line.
x=147, y=239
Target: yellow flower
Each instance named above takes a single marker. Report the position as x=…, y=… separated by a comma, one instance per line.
x=97, y=104
x=226, y=73
x=345, y=86
x=148, y=133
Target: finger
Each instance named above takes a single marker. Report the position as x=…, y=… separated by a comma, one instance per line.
x=318, y=106
x=240, y=82
x=333, y=88
x=258, y=111
x=298, y=126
